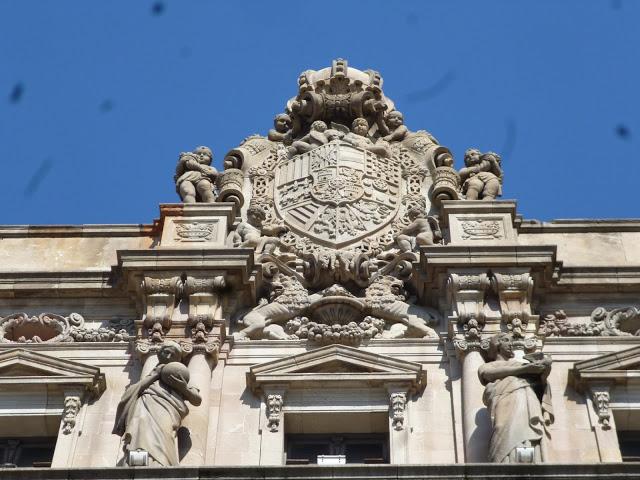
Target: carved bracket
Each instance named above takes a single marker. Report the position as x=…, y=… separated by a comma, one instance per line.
x=515, y=291
x=600, y=397
x=398, y=407
x=467, y=294
x=204, y=304
x=160, y=295
x=72, y=404
x=274, y=403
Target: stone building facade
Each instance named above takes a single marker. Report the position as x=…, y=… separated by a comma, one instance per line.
x=339, y=293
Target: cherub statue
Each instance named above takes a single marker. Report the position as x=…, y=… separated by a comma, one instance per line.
x=423, y=230
x=254, y=234
x=395, y=123
x=195, y=176
x=358, y=138
x=281, y=131
x=315, y=138
x=482, y=175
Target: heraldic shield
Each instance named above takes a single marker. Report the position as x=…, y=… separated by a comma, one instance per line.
x=337, y=194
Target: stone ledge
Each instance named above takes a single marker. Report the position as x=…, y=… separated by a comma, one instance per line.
x=613, y=471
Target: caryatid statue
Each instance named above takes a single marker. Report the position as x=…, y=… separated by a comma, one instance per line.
x=151, y=410
x=195, y=177
x=519, y=401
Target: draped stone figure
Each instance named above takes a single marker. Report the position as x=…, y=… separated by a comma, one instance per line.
x=151, y=410
x=519, y=401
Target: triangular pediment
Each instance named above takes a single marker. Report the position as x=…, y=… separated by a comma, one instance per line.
x=338, y=365
x=21, y=366
x=616, y=367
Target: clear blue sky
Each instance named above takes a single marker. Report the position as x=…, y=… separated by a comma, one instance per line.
x=98, y=98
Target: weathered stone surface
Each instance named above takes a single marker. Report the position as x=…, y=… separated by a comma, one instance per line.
x=339, y=277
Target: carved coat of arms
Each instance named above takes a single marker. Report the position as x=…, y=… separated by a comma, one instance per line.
x=336, y=193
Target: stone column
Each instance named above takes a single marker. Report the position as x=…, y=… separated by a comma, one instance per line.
x=475, y=416
x=147, y=352
x=272, y=426
x=203, y=296
x=467, y=292
x=200, y=365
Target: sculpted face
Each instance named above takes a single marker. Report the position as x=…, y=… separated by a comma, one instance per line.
x=360, y=127
x=394, y=120
x=472, y=157
x=504, y=347
x=205, y=155
x=319, y=126
x=255, y=216
x=170, y=352
x=282, y=123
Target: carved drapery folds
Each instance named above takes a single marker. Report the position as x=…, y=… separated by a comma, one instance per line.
x=520, y=417
x=160, y=296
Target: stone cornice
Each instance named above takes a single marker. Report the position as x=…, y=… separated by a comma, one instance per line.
x=436, y=261
x=551, y=471
x=580, y=225
x=106, y=230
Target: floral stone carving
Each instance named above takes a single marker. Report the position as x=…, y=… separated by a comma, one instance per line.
x=623, y=321
x=52, y=328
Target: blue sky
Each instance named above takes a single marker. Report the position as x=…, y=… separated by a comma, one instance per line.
x=98, y=98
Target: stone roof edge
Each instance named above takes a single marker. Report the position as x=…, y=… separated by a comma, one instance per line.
x=579, y=225
x=106, y=230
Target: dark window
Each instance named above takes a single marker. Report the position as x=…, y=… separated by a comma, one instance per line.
x=27, y=452
x=357, y=447
x=629, y=445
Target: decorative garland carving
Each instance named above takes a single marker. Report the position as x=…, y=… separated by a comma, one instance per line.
x=623, y=321
x=53, y=328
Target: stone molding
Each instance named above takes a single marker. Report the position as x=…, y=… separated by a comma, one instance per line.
x=293, y=371
x=478, y=471
x=50, y=371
